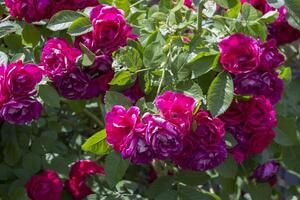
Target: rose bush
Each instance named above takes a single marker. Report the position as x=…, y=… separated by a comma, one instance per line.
x=149, y=99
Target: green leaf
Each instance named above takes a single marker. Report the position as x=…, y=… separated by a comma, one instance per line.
x=202, y=63
x=5, y=172
x=293, y=7
x=88, y=57
x=123, y=4
x=115, y=168
x=192, y=178
x=8, y=27
x=228, y=169
x=49, y=96
x=32, y=162
x=169, y=195
x=269, y=17
x=290, y=155
x=189, y=88
x=63, y=19
x=114, y=98
x=287, y=133
x=260, y=192
x=3, y=58
x=12, y=153
x=97, y=144
x=13, y=41
x=153, y=55
x=122, y=78
x=178, y=6
x=80, y=26
x=190, y=193
x=227, y=3
x=220, y=94
x=31, y=35
x=160, y=185
x=127, y=58
x=249, y=12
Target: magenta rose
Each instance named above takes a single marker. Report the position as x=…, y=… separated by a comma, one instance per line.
x=281, y=31
x=30, y=10
x=21, y=79
x=110, y=30
x=259, y=83
x=77, y=177
x=259, y=141
x=267, y=172
x=209, y=130
x=270, y=57
x=136, y=149
x=58, y=57
x=189, y=4
x=119, y=123
x=239, y=53
x=176, y=108
x=163, y=136
x=46, y=186
x=21, y=111
x=73, y=85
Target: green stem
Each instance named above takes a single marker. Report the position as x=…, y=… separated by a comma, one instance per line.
x=136, y=3
x=93, y=117
x=199, y=21
x=161, y=81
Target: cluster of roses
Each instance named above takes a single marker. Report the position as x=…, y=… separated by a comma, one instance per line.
x=169, y=134
x=48, y=185
x=36, y=10
x=253, y=66
x=280, y=30
x=18, y=101
x=59, y=59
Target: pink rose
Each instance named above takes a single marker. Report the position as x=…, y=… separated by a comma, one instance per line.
x=21, y=80
x=46, y=186
x=110, y=30
x=58, y=57
x=239, y=53
x=119, y=123
x=176, y=108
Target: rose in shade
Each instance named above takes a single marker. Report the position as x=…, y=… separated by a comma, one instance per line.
x=260, y=141
x=58, y=57
x=259, y=83
x=134, y=93
x=136, y=148
x=21, y=111
x=209, y=130
x=46, y=186
x=267, y=172
x=21, y=79
x=198, y=157
x=239, y=53
x=260, y=115
x=163, y=136
x=101, y=65
x=270, y=57
x=281, y=31
x=176, y=108
x=73, y=85
x=110, y=30
x=77, y=177
x=119, y=123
